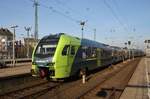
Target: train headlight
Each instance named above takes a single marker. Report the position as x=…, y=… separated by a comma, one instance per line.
x=33, y=63
x=50, y=64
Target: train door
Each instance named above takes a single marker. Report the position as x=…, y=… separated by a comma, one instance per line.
x=68, y=56
x=98, y=57
x=65, y=54
x=71, y=55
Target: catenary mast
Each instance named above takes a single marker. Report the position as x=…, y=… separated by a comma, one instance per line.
x=36, y=19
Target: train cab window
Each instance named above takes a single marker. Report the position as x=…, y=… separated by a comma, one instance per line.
x=65, y=50
x=72, y=50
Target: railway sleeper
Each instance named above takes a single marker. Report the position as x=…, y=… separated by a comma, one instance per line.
x=104, y=92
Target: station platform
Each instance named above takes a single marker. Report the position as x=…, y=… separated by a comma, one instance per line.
x=138, y=86
x=14, y=71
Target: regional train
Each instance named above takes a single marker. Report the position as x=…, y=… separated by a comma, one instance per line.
x=59, y=56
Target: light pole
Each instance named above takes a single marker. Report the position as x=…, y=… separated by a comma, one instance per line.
x=27, y=29
x=94, y=34
x=126, y=49
x=14, y=27
x=3, y=45
x=82, y=23
x=133, y=50
x=129, y=43
x=36, y=4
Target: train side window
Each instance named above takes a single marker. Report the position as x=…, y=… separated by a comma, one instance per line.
x=72, y=50
x=65, y=50
x=79, y=53
x=83, y=50
x=94, y=52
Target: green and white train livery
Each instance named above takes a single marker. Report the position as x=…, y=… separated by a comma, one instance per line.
x=61, y=56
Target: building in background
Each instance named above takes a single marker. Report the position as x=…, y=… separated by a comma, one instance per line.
x=6, y=38
x=31, y=42
x=21, y=49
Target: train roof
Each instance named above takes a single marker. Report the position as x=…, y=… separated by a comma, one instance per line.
x=116, y=48
x=91, y=43
x=86, y=42
x=51, y=37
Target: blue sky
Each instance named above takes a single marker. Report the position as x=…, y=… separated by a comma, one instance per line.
x=116, y=21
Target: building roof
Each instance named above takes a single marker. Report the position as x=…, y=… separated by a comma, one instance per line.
x=5, y=32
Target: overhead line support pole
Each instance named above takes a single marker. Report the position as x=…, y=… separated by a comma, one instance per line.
x=36, y=19
x=14, y=27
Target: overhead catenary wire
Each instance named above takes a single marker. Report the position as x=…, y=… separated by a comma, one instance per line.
x=56, y=11
x=78, y=21
x=115, y=3
x=51, y=8
x=63, y=5
x=115, y=15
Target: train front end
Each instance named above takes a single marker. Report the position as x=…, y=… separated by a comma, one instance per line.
x=43, y=57
x=54, y=55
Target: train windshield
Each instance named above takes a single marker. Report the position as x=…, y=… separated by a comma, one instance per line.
x=47, y=46
x=45, y=49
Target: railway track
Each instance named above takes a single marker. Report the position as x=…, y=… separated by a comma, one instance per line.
x=112, y=86
x=109, y=84
x=77, y=90
x=31, y=91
